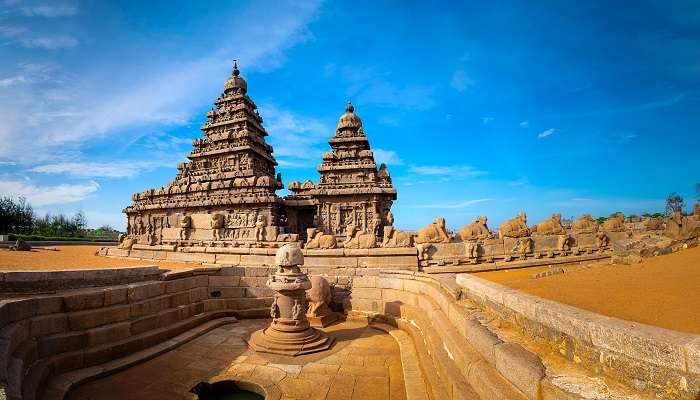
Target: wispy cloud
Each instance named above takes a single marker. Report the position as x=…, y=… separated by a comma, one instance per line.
x=50, y=10
x=50, y=42
x=11, y=31
x=297, y=139
x=366, y=85
x=388, y=157
x=461, y=204
x=546, y=133
x=122, y=169
x=461, y=81
x=524, y=124
x=455, y=171
x=486, y=120
x=519, y=182
x=160, y=95
x=48, y=195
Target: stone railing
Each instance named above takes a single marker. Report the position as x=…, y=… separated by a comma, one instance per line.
x=460, y=357
x=43, y=281
x=328, y=261
x=662, y=362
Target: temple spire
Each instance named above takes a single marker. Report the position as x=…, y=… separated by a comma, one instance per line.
x=235, y=71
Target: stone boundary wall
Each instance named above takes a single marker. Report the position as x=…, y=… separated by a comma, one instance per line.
x=47, y=342
x=342, y=259
x=44, y=281
x=40, y=243
x=661, y=362
x=460, y=357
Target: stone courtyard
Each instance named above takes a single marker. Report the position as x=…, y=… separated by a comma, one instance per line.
x=365, y=364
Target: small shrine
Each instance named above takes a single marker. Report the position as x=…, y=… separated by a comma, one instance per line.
x=352, y=193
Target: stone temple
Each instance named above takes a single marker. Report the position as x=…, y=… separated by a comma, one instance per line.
x=225, y=194
x=221, y=286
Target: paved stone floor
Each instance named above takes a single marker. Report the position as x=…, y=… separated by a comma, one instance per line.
x=364, y=363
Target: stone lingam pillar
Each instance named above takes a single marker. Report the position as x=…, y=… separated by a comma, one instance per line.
x=289, y=333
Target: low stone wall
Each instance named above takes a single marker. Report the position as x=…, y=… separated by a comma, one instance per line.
x=48, y=281
x=661, y=362
x=460, y=357
x=342, y=260
x=39, y=243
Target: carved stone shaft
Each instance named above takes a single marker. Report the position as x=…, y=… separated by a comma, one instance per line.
x=289, y=333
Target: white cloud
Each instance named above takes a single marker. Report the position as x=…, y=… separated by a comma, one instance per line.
x=546, y=133
x=7, y=82
x=369, y=86
x=487, y=120
x=524, y=124
x=461, y=204
x=154, y=96
x=388, y=157
x=50, y=10
x=450, y=171
x=297, y=139
x=39, y=196
x=7, y=163
x=461, y=81
x=11, y=31
x=519, y=182
x=50, y=42
x=103, y=170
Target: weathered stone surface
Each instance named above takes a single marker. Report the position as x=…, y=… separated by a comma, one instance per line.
x=521, y=367
x=482, y=339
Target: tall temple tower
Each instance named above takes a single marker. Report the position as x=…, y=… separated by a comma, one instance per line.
x=226, y=191
x=352, y=191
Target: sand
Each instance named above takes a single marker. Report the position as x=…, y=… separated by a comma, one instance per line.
x=662, y=291
x=72, y=257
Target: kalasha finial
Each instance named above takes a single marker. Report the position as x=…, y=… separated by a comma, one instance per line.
x=349, y=108
x=236, y=72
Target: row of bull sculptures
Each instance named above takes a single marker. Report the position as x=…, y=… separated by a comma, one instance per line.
x=677, y=226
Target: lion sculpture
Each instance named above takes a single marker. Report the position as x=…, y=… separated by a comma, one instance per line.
x=585, y=224
x=615, y=223
x=515, y=228
x=433, y=233
x=550, y=226
x=476, y=230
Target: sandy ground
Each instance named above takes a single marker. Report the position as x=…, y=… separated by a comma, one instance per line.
x=71, y=257
x=662, y=291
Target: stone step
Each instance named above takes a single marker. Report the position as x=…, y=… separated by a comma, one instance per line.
x=59, y=386
x=93, y=359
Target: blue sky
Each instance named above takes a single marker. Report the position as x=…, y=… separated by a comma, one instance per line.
x=478, y=108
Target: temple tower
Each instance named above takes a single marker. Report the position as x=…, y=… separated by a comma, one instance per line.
x=226, y=191
x=352, y=191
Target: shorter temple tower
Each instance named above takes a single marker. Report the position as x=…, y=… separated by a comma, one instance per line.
x=352, y=192
x=289, y=333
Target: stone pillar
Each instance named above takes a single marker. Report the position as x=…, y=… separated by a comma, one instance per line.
x=289, y=333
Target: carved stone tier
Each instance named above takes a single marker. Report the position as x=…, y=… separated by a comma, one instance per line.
x=290, y=332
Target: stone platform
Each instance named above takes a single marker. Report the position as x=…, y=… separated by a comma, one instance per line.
x=364, y=363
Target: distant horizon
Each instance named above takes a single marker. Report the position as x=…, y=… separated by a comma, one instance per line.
x=490, y=109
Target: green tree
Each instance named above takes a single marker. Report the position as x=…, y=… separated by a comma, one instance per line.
x=16, y=216
x=674, y=203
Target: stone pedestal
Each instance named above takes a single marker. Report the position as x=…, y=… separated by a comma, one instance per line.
x=289, y=333
x=323, y=320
